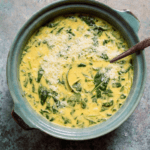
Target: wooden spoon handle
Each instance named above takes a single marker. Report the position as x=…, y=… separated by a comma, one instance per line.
x=139, y=46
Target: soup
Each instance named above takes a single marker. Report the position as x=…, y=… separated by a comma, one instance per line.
x=66, y=75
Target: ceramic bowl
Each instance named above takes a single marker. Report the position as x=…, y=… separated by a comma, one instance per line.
x=23, y=113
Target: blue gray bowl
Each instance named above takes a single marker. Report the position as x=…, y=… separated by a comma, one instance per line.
x=124, y=21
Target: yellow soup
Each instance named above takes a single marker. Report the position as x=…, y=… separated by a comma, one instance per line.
x=66, y=75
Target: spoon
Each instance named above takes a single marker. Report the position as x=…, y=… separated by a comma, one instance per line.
x=139, y=46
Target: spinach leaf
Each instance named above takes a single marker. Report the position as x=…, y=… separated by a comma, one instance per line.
x=51, y=25
x=57, y=102
x=30, y=64
x=66, y=120
x=103, y=109
x=33, y=88
x=122, y=89
x=40, y=74
x=98, y=91
x=43, y=94
x=100, y=81
x=49, y=46
x=77, y=86
x=52, y=119
x=83, y=104
x=108, y=104
x=90, y=21
x=25, y=82
x=52, y=93
x=108, y=92
x=30, y=78
x=104, y=56
x=61, y=82
x=86, y=100
x=26, y=48
x=123, y=96
x=91, y=122
x=72, y=112
x=99, y=30
x=48, y=108
x=94, y=100
x=70, y=32
x=73, y=99
x=121, y=62
x=82, y=65
x=95, y=41
x=59, y=30
x=116, y=85
x=71, y=102
x=127, y=70
x=54, y=110
x=44, y=112
x=105, y=42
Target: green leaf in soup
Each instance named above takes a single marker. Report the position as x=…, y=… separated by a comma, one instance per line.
x=33, y=88
x=70, y=32
x=44, y=112
x=127, y=70
x=123, y=96
x=71, y=102
x=30, y=78
x=100, y=81
x=25, y=82
x=104, y=56
x=82, y=65
x=73, y=99
x=100, y=28
x=26, y=48
x=77, y=86
x=116, y=85
x=103, y=109
x=66, y=120
x=108, y=104
x=40, y=74
x=94, y=100
x=61, y=82
x=105, y=42
x=91, y=122
x=103, y=86
x=52, y=119
x=90, y=21
x=72, y=112
x=51, y=25
x=43, y=94
x=59, y=30
x=98, y=78
x=98, y=91
x=54, y=110
x=83, y=104
x=122, y=89
x=108, y=92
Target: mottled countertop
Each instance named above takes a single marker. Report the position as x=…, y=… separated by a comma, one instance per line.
x=134, y=134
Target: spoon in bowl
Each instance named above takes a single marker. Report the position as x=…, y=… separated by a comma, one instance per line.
x=138, y=47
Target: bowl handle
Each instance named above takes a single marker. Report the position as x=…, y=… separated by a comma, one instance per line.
x=20, y=122
x=130, y=18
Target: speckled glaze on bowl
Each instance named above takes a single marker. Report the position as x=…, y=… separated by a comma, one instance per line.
x=124, y=21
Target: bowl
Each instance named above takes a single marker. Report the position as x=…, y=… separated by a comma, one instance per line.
x=24, y=114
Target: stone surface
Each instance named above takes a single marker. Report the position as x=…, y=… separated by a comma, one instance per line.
x=134, y=134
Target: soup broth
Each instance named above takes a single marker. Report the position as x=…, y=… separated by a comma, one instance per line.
x=66, y=75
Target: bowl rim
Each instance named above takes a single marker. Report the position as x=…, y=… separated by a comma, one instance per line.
x=11, y=82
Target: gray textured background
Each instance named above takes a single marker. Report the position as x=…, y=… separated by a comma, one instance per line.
x=134, y=134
